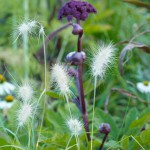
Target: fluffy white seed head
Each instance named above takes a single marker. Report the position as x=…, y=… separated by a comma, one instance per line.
x=103, y=56
x=32, y=24
x=25, y=92
x=24, y=28
x=75, y=126
x=24, y=114
x=143, y=87
x=60, y=77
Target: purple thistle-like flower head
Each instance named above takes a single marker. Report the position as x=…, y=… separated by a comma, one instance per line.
x=77, y=9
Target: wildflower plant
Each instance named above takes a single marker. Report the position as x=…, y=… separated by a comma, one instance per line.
x=43, y=127
x=103, y=57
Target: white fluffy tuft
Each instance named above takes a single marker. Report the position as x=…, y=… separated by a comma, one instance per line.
x=24, y=114
x=61, y=78
x=75, y=126
x=25, y=92
x=26, y=27
x=102, y=59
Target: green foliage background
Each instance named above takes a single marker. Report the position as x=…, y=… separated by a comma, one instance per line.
x=115, y=21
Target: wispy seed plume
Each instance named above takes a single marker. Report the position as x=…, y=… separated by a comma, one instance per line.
x=103, y=56
x=60, y=78
x=24, y=114
x=25, y=92
x=75, y=126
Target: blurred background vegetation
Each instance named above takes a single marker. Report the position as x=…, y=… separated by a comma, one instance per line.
x=116, y=21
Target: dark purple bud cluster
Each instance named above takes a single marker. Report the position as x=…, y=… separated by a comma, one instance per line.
x=77, y=9
x=104, y=128
x=76, y=58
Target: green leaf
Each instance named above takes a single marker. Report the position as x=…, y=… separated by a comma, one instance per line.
x=113, y=145
x=141, y=121
x=125, y=142
x=145, y=137
x=97, y=28
x=130, y=117
x=53, y=94
x=102, y=117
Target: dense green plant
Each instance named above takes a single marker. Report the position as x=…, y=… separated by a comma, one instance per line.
x=120, y=102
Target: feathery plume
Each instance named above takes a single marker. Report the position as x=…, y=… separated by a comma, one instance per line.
x=60, y=78
x=25, y=92
x=24, y=114
x=26, y=27
x=75, y=126
x=102, y=58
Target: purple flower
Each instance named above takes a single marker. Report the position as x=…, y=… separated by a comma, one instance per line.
x=77, y=9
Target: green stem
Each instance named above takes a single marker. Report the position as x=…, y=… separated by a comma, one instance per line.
x=45, y=87
x=93, y=114
x=26, y=59
x=68, y=105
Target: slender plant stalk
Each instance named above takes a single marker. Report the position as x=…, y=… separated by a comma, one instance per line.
x=66, y=96
x=93, y=113
x=25, y=40
x=71, y=147
x=69, y=142
x=104, y=139
x=26, y=59
x=76, y=137
x=15, y=44
x=29, y=135
x=15, y=137
x=77, y=142
x=50, y=36
x=81, y=91
x=45, y=85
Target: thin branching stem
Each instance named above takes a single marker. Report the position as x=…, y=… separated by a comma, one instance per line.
x=69, y=142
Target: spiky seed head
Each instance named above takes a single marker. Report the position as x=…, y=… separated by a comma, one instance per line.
x=24, y=114
x=24, y=28
x=32, y=24
x=25, y=92
x=75, y=126
x=60, y=78
x=103, y=56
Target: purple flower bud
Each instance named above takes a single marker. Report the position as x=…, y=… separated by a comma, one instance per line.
x=73, y=72
x=83, y=55
x=69, y=56
x=77, y=9
x=75, y=58
x=105, y=128
x=77, y=29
